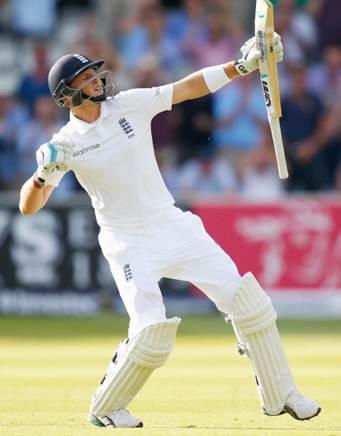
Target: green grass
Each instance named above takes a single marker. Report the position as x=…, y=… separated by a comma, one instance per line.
x=49, y=368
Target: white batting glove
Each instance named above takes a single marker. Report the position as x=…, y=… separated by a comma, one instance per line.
x=249, y=61
x=52, y=157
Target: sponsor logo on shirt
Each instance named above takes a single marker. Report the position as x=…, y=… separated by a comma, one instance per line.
x=126, y=127
x=85, y=150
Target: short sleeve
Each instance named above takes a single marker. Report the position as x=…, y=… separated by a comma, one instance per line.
x=152, y=101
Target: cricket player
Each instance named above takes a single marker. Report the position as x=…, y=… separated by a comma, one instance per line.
x=108, y=145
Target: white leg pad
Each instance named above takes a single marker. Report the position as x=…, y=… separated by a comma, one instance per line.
x=134, y=363
x=254, y=322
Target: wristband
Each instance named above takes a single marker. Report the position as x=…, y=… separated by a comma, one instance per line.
x=38, y=183
x=215, y=77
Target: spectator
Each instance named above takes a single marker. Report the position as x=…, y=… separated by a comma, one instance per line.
x=8, y=161
x=88, y=43
x=324, y=79
x=12, y=116
x=165, y=124
x=333, y=146
x=4, y=16
x=258, y=173
x=149, y=39
x=189, y=21
x=184, y=26
x=239, y=113
x=133, y=13
x=195, y=133
x=298, y=31
x=110, y=16
x=36, y=131
x=328, y=13
x=304, y=129
x=209, y=176
x=34, y=19
x=220, y=42
x=34, y=84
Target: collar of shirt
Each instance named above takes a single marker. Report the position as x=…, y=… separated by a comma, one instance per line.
x=82, y=126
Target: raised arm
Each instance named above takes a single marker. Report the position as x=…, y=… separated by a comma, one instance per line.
x=195, y=85
x=211, y=79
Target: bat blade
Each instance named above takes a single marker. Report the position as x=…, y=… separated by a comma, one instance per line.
x=264, y=31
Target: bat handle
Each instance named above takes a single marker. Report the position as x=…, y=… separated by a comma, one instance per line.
x=279, y=148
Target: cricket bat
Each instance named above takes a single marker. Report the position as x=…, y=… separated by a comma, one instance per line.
x=264, y=30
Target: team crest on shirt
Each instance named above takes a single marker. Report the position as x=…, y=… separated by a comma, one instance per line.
x=127, y=272
x=126, y=127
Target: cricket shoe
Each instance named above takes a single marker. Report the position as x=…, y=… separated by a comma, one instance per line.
x=300, y=408
x=118, y=419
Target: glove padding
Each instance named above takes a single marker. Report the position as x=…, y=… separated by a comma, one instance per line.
x=52, y=157
x=249, y=61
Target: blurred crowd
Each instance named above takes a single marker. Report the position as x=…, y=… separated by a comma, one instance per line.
x=219, y=145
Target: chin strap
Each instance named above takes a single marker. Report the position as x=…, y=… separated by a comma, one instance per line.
x=97, y=99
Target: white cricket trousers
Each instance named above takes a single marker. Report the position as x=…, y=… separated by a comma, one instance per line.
x=175, y=245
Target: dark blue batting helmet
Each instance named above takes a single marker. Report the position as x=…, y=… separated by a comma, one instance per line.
x=65, y=70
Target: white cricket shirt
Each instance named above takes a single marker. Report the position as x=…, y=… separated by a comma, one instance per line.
x=114, y=160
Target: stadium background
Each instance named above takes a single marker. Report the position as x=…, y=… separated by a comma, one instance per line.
x=214, y=153
x=217, y=158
